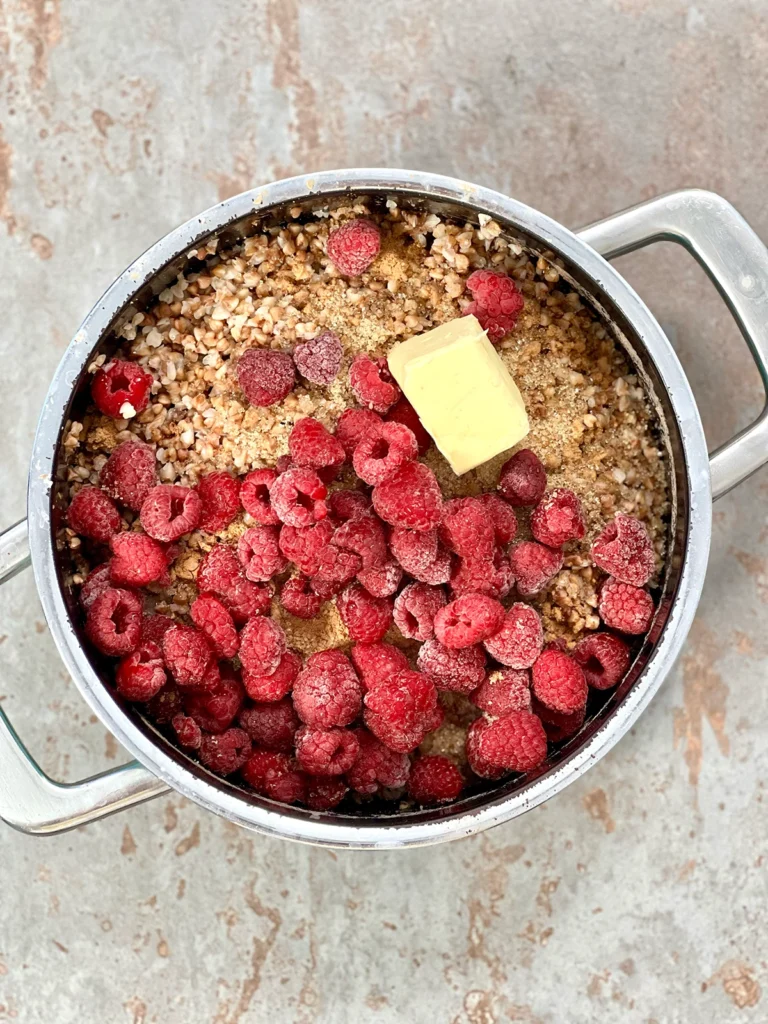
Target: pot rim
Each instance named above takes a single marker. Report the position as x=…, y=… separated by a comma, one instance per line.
x=339, y=830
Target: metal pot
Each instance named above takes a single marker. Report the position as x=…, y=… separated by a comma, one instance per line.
x=705, y=224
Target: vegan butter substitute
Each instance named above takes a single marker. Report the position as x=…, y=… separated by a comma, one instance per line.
x=463, y=393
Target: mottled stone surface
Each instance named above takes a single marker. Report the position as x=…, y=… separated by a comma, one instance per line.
x=636, y=896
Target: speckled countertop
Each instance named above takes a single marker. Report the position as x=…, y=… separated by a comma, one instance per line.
x=638, y=895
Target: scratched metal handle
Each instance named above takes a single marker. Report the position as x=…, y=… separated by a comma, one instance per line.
x=29, y=800
x=737, y=262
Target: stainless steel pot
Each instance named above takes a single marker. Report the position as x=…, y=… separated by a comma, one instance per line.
x=712, y=231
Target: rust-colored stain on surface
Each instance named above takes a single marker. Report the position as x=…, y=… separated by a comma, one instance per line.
x=596, y=804
x=41, y=21
x=128, y=845
x=757, y=568
x=705, y=696
x=189, y=842
x=739, y=983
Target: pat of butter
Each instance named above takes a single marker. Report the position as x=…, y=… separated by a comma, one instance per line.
x=463, y=393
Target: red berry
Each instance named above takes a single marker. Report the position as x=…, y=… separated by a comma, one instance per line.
x=505, y=690
x=298, y=598
x=313, y=447
x=377, y=661
x=411, y=498
x=400, y=710
x=558, y=682
x=502, y=516
x=353, y=425
x=364, y=536
x=265, y=376
x=187, y=654
x=382, y=580
x=284, y=462
x=128, y=475
x=220, y=497
x=319, y=360
x=468, y=620
x=154, y=628
x=558, y=726
x=220, y=573
x=377, y=765
x=121, y=389
x=170, y=511
x=415, y=609
x=262, y=645
x=435, y=780
x=188, y=732
x=403, y=412
x=216, y=711
x=114, y=622
x=327, y=691
x=275, y=775
x=259, y=553
x=92, y=514
x=323, y=794
x=625, y=608
x=304, y=545
x=459, y=670
x=523, y=479
x=624, y=550
x=325, y=589
x=326, y=751
x=271, y=726
x=366, y=617
x=354, y=246
x=275, y=685
x=493, y=577
x=558, y=518
x=254, y=496
x=497, y=302
x=519, y=641
x=467, y=528
x=212, y=617
x=534, y=565
x=96, y=582
x=346, y=505
x=297, y=497
x=603, y=658
x=141, y=674
x=372, y=384
x=382, y=451
x=418, y=553
x=516, y=742
x=136, y=560
x=336, y=567
x=226, y=752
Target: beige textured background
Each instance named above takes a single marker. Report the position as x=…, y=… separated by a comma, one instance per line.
x=639, y=894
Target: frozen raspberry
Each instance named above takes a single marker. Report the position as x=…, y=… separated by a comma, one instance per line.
x=93, y=514
x=114, y=622
x=121, y=389
x=96, y=582
x=400, y=710
x=128, y=475
x=136, y=560
x=220, y=573
x=625, y=608
x=262, y=645
x=187, y=655
x=468, y=620
x=558, y=682
x=272, y=687
x=327, y=691
x=304, y=545
x=382, y=451
x=403, y=412
x=265, y=376
x=225, y=752
x=275, y=775
x=271, y=726
x=367, y=618
x=381, y=580
x=353, y=425
x=624, y=550
x=346, y=505
x=337, y=567
x=188, y=732
x=415, y=609
x=220, y=497
x=519, y=641
x=141, y=674
x=284, y=462
x=326, y=751
x=154, y=628
x=467, y=528
x=505, y=690
x=377, y=662
x=557, y=725
x=603, y=658
x=323, y=794
x=372, y=384
x=534, y=565
x=364, y=536
x=435, y=780
x=212, y=617
x=297, y=497
x=254, y=496
x=354, y=246
x=493, y=577
x=325, y=589
x=216, y=710
x=523, y=479
x=162, y=708
x=558, y=518
x=415, y=550
x=259, y=553
x=313, y=447
x=459, y=670
x=502, y=516
x=377, y=765
x=497, y=302
x=411, y=498
x=515, y=742
x=170, y=511
x=319, y=360
x=298, y=598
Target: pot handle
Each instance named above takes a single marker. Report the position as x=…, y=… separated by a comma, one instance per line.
x=29, y=800
x=733, y=256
